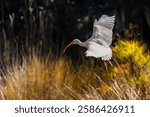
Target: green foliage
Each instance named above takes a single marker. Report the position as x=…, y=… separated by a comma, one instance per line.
x=137, y=59
x=131, y=51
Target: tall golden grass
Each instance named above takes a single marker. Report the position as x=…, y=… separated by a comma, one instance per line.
x=56, y=78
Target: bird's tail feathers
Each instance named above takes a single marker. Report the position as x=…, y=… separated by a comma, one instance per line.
x=107, y=57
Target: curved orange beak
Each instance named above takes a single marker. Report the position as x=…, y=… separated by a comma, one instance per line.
x=72, y=43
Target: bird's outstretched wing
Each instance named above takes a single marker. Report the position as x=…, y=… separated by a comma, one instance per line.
x=102, y=29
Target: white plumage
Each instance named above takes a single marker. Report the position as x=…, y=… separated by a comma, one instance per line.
x=98, y=45
x=104, y=52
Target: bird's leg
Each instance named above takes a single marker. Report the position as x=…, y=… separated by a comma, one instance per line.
x=105, y=65
x=110, y=63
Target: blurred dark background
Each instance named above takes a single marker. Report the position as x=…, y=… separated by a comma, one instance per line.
x=51, y=24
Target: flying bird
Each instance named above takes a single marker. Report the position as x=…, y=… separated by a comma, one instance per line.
x=98, y=45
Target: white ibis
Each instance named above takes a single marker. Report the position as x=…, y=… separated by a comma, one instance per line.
x=98, y=44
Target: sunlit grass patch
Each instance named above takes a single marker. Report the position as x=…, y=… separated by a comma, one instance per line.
x=52, y=77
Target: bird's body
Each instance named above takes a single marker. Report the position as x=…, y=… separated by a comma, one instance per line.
x=98, y=45
x=104, y=52
x=98, y=48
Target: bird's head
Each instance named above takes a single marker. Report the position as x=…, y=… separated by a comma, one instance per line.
x=75, y=41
